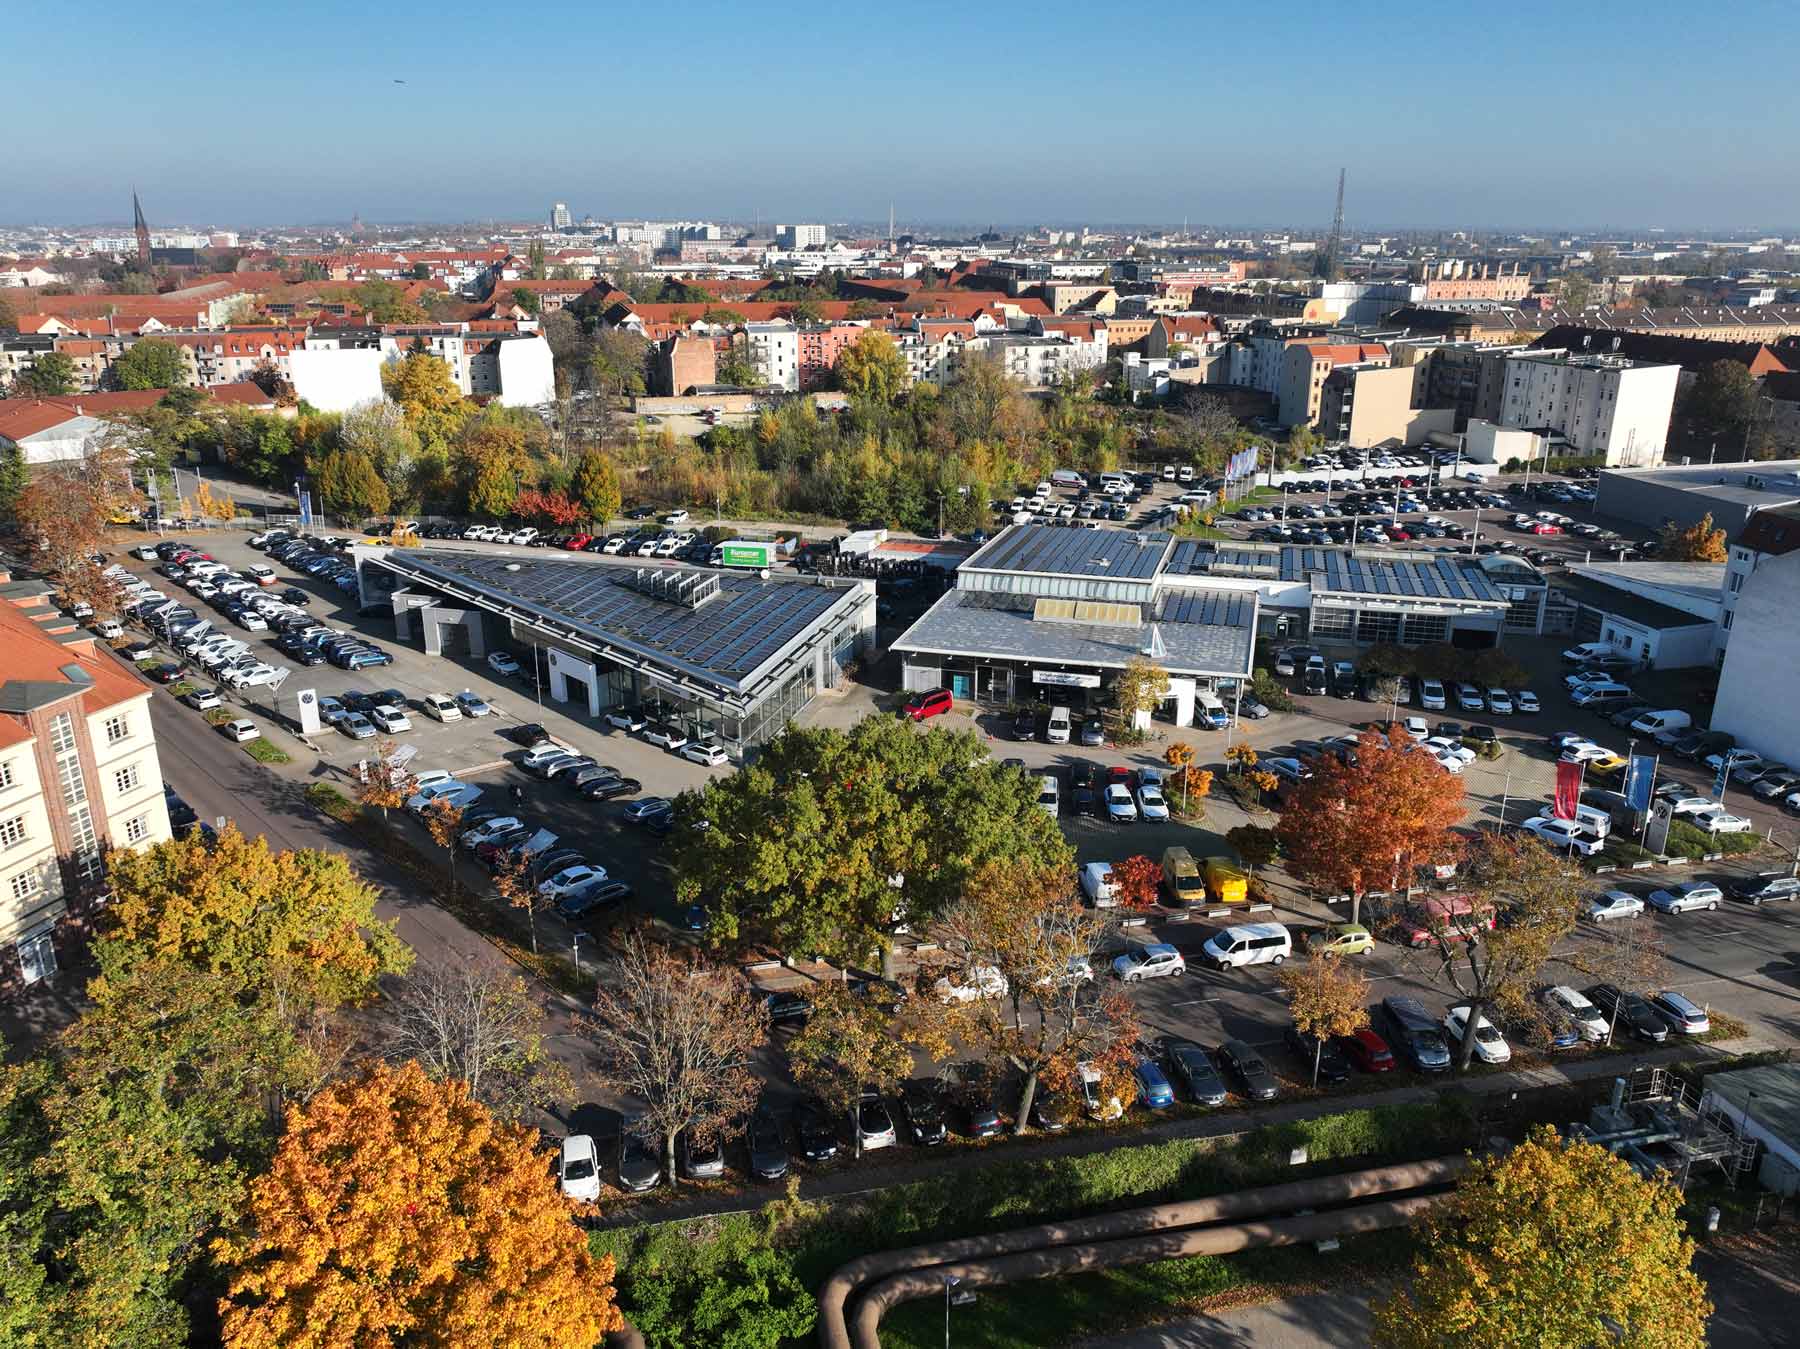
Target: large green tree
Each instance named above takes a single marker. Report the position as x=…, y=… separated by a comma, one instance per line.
x=831, y=838
x=1722, y=409
x=14, y=475
x=596, y=487
x=150, y=363
x=873, y=368
x=426, y=392
x=1559, y=1244
x=48, y=376
x=349, y=486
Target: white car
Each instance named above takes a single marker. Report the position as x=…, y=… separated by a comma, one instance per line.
x=1446, y=760
x=1586, y=751
x=501, y=662
x=580, y=1169
x=625, y=718
x=1149, y=962
x=1613, y=904
x=1563, y=835
x=1526, y=701
x=613, y=545
x=676, y=518
x=487, y=829
x=1718, y=820
x=982, y=981
x=706, y=753
x=1445, y=745
x=1490, y=1045
x=542, y=754
x=1691, y=805
x=1500, y=702
x=390, y=719
x=1740, y=758
x=1150, y=802
x=462, y=795
x=240, y=730
x=580, y=873
x=1417, y=728
x=441, y=706
x=1588, y=1018
x=1120, y=808
x=1431, y=695
x=665, y=736
x=247, y=676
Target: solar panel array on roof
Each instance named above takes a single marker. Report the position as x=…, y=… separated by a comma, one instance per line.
x=732, y=635
x=1220, y=608
x=1338, y=569
x=1131, y=555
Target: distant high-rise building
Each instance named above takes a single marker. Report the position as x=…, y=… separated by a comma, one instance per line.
x=560, y=219
x=800, y=236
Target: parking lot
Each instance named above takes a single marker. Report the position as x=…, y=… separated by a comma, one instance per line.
x=1744, y=959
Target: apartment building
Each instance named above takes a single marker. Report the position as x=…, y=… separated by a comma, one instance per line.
x=1304, y=366
x=1454, y=279
x=682, y=364
x=819, y=346
x=1601, y=405
x=773, y=348
x=800, y=236
x=79, y=774
x=933, y=348
x=1371, y=406
x=1768, y=534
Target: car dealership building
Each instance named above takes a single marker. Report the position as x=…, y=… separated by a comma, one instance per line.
x=730, y=655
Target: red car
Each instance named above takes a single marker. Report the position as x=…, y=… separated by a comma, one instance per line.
x=1545, y=527
x=923, y=705
x=1118, y=773
x=575, y=543
x=1397, y=534
x=1367, y=1051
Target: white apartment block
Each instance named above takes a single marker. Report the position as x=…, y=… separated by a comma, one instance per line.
x=774, y=349
x=79, y=774
x=1042, y=362
x=800, y=236
x=1602, y=405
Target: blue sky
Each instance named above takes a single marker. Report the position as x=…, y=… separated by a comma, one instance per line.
x=1451, y=115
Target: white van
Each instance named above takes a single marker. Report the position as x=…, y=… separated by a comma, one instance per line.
x=1250, y=944
x=1601, y=693
x=1057, y=733
x=1098, y=885
x=1068, y=477
x=1588, y=819
x=1670, y=719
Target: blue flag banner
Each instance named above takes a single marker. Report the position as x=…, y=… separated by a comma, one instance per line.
x=1640, y=780
x=1719, y=782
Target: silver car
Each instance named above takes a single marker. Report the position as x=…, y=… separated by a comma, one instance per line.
x=1689, y=895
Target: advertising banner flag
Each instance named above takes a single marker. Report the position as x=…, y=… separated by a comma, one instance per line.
x=1640, y=780
x=1568, y=790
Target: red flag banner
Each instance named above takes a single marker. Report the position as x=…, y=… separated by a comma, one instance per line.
x=1568, y=789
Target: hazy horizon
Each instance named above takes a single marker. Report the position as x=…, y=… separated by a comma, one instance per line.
x=419, y=114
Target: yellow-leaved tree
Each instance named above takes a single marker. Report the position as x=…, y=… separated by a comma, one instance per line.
x=299, y=924
x=1557, y=1245
x=398, y=1210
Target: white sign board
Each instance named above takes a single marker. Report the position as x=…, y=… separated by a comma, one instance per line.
x=307, y=703
x=1064, y=679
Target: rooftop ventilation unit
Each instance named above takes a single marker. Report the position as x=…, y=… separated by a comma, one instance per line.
x=688, y=588
x=1091, y=612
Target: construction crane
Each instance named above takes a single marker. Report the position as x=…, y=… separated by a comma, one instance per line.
x=1328, y=264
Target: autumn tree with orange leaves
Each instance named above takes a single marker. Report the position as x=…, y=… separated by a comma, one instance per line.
x=1353, y=828
x=399, y=1211
x=1137, y=880
x=1026, y=922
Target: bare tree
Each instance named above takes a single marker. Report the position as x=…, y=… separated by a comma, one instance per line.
x=677, y=1035
x=476, y=1023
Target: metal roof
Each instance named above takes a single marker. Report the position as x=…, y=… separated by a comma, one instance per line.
x=729, y=636
x=1121, y=554
x=1202, y=632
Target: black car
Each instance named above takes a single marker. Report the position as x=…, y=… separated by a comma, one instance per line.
x=1761, y=889
x=592, y=898
x=606, y=789
x=1629, y=1012
x=639, y=1167
x=787, y=1008
x=1051, y=1111
x=767, y=1145
x=1245, y=1064
x=1312, y=680
x=1024, y=726
x=1192, y=1066
x=816, y=1130
x=1481, y=734
x=165, y=673
x=923, y=1113
x=1333, y=1066
x=980, y=1117
x=529, y=734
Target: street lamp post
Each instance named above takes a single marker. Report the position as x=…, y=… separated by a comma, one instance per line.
x=576, y=937
x=950, y=1281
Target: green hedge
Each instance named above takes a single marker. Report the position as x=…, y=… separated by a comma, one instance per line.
x=1686, y=840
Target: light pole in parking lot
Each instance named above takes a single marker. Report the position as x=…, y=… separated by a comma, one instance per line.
x=575, y=939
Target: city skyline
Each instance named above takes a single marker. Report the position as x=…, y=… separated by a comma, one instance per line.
x=1440, y=123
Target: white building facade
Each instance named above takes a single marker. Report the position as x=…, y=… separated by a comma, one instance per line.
x=1602, y=405
x=774, y=349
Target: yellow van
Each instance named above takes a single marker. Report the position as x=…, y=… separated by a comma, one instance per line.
x=1226, y=881
x=1182, y=881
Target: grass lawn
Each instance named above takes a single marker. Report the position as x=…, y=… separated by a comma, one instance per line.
x=263, y=752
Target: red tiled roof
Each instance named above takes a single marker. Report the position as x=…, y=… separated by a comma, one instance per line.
x=1347, y=353
x=21, y=417
x=33, y=656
